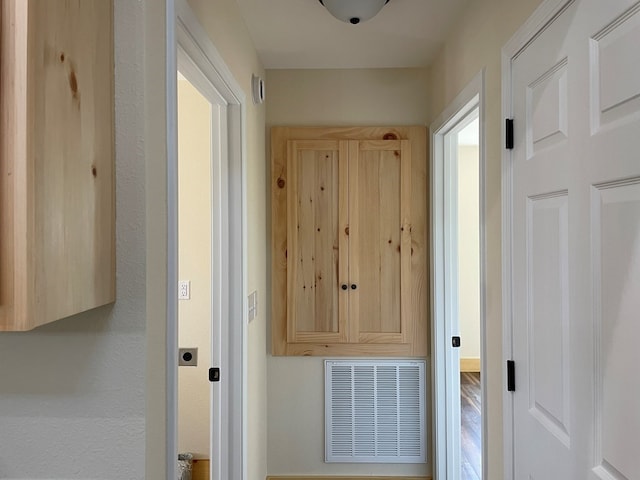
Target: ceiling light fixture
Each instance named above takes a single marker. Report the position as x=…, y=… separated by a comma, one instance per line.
x=354, y=11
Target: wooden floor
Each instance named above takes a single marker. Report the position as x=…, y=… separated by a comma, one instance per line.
x=471, y=437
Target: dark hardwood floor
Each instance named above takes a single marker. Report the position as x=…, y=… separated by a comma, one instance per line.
x=471, y=432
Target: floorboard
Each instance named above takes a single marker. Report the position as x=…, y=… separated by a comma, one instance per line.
x=471, y=432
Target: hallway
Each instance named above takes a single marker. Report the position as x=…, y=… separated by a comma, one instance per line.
x=471, y=432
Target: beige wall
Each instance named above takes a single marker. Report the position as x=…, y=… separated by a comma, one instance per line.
x=469, y=251
x=87, y=399
x=223, y=23
x=221, y=19
x=473, y=44
x=296, y=384
x=194, y=257
x=72, y=393
x=347, y=97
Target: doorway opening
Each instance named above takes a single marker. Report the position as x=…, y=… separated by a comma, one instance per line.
x=199, y=270
x=466, y=180
x=458, y=248
x=214, y=175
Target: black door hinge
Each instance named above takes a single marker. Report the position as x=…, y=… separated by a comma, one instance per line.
x=508, y=135
x=214, y=374
x=455, y=342
x=511, y=376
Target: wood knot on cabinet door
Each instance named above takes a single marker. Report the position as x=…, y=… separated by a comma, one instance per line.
x=61, y=57
x=94, y=171
x=281, y=183
x=73, y=83
x=346, y=230
x=390, y=136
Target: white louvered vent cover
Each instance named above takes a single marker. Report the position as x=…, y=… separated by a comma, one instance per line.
x=375, y=411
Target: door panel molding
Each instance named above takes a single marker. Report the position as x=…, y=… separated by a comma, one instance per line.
x=537, y=22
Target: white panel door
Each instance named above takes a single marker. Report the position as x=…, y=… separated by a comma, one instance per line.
x=576, y=246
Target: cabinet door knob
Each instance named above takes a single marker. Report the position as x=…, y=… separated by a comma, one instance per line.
x=344, y=286
x=353, y=286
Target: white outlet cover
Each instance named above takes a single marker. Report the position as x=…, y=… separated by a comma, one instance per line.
x=184, y=290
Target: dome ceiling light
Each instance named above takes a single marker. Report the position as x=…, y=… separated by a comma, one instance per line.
x=354, y=11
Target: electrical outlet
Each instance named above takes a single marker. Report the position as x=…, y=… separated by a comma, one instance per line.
x=188, y=357
x=253, y=305
x=184, y=290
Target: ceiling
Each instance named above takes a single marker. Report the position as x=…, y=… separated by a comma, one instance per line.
x=303, y=34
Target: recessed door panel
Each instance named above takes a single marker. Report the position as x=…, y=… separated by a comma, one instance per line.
x=616, y=214
x=614, y=73
x=547, y=109
x=313, y=237
x=575, y=277
x=548, y=312
x=380, y=234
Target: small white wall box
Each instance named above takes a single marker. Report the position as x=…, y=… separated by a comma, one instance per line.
x=257, y=89
x=375, y=411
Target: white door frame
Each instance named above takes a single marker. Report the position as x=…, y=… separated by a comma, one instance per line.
x=189, y=46
x=445, y=359
x=538, y=21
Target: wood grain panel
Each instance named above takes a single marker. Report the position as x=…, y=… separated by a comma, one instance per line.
x=350, y=349
x=201, y=470
x=61, y=152
x=413, y=243
x=355, y=254
x=326, y=242
x=420, y=262
x=279, y=228
x=313, y=237
x=303, y=295
x=342, y=477
x=389, y=243
x=384, y=241
x=407, y=319
x=470, y=364
x=13, y=167
x=366, y=241
x=71, y=98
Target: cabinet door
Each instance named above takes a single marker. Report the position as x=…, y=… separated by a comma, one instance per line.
x=380, y=241
x=57, y=183
x=317, y=241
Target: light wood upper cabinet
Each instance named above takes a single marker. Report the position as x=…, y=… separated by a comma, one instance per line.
x=349, y=220
x=57, y=192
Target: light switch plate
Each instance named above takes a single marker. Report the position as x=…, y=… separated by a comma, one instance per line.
x=253, y=305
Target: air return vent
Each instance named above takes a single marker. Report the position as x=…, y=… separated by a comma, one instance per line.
x=375, y=411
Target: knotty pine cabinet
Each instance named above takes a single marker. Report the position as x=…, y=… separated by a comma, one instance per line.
x=57, y=191
x=349, y=266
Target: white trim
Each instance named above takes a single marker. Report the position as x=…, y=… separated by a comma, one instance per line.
x=172, y=247
x=199, y=47
x=188, y=41
x=445, y=359
x=539, y=20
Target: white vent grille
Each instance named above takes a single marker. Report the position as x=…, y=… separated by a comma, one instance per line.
x=375, y=411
